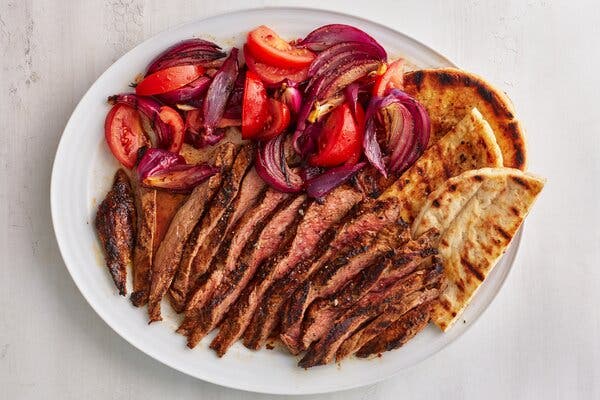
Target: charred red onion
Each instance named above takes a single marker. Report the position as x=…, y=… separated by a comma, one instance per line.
x=319, y=186
x=165, y=170
x=407, y=128
x=328, y=35
x=291, y=96
x=272, y=167
x=193, y=90
x=217, y=95
x=192, y=51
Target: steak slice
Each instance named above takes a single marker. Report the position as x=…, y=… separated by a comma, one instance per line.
x=226, y=261
x=380, y=324
x=382, y=273
x=170, y=250
x=144, y=244
x=156, y=209
x=366, y=309
x=263, y=244
x=115, y=225
x=217, y=245
x=399, y=332
x=358, y=253
x=319, y=217
x=370, y=217
x=209, y=231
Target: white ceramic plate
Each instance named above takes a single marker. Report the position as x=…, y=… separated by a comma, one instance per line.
x=82, y=174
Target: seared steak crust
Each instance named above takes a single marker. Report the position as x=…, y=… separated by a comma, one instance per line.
x=170, y=250
x=275, y=234
x=366, y=309
x=226, y=260
x=115, y=225
x=211, y=229
x=144, y=244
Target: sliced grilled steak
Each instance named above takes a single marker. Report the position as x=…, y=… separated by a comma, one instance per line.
x=156, y=209
x=366, y=309
x=371, y=183
x=319, y=217
x=264, y=243
x=169, y=252
x=211, y=229
x=226, y=260
x=382, y=273
x=115, y=225
x=399, y=332
x=215, y=248
x=144, y=244
x=358, y=253
x=380, y=324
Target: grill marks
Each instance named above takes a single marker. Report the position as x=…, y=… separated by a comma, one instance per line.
x=170, y=250
x=210, y=229
x=366, y=309
x=115, y=225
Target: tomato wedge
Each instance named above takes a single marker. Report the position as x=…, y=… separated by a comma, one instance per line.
x=279, y=120
x=175, y=122
x=267, y=47
x=392, y=78
x=273, y=76
x=340, y=140
x=168, y=79
x=255, y=107
x=124, y=134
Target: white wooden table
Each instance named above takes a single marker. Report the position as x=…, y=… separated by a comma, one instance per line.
x=539, y=339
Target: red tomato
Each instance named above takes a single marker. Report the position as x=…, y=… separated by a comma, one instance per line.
x=273, y=76
x=254, y=106
x=278, y=120
x=124, y=134
x=168, y=79
x=392, y=78
x=267, y=47
x=175, y=122
x=340, y=140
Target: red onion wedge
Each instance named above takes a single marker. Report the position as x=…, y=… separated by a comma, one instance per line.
x=291, y=96
x=191, y=51
x=217, y=96
x=150, y=108
x=328, y=35
x=272, y=167
x=192, y=90
x=162, y=169
x=321, y=185
x=327, y=57
x=407, y=127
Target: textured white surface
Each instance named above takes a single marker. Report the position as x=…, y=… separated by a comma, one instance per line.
x=539, y=339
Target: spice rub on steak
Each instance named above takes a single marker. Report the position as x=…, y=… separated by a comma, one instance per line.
x=116, y=226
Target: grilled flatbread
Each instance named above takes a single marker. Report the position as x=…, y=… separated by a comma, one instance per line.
x=477, y=214
x=449, y=94
x=470, y=145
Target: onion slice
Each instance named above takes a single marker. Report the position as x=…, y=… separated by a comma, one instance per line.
x=325, y=58
x=191, y=51
x=328, y=35
x=272, y=166
x=192, y=90
x=319, y=186
x=163, y=169
x=217, y=96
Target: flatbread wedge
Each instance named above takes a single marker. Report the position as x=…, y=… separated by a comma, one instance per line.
x=470, y=145
x=477, y=214
x=449, y=94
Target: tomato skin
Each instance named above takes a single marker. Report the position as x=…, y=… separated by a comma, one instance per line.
x=279, y=119
x=340, y=140
x=168, y=79
x=124, y=134
x=267, y=47
x=392, y=78
x=255, y=108
x=273, y=76
x=172, y=118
